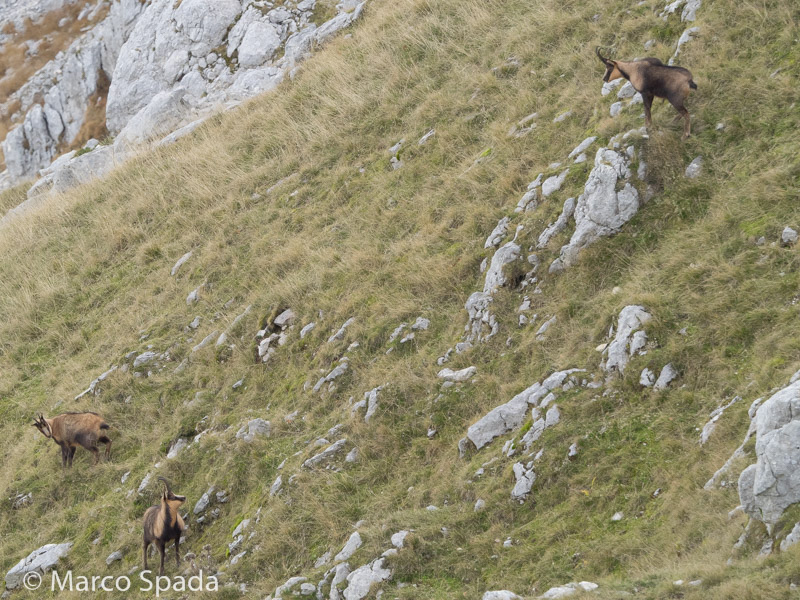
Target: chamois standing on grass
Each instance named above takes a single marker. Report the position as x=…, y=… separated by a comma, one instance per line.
x=163, y=523
x=71, y=430
x=653, y=79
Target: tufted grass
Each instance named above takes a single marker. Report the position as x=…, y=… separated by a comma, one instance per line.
x=85, y=279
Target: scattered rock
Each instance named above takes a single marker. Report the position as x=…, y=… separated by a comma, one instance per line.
x=361, y=580
x=510, y=416
x=175, y=449
x=498, y=233
x=114, y=556
x=399, y=538
x=647, y=378
x=326, y=455
x=350, y=547
x=524, y=481
x=253, y=428
x=602, y=209
x=772, y=484
x=554, y=183
x=569, y=589
x=788, y=236
x=457, y=376
x=501, y=595
x=180, y=263
x=695, y=168
x=39, y=561
x=668, y=374
x=339, y=335
x=495, y=277
x=631, y=319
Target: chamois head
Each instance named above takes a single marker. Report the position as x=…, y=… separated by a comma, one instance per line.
x=168, y=496
x=41, y=424
x=612, y=71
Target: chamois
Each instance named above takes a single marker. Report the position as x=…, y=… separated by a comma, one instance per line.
x=163, y=523
x=71, y=430
x=653, y=79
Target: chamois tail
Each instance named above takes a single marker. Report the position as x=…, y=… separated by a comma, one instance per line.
x=692, y=84
x=105, y=426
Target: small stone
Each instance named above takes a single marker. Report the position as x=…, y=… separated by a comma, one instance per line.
x=180, y=262
x=480, y=504
x=114, y=556
x=788, y=236
x=695, y=168
x=647, y=378
x=668, y=374
x=618, y=516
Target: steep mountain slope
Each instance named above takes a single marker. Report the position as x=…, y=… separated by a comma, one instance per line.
x=295, y=201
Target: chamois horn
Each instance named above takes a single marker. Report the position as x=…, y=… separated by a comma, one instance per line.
x=600, y=56
x=166, y=484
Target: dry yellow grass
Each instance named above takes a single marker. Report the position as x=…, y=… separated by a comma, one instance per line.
x=86, y=276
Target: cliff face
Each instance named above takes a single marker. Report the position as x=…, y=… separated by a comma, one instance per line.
x=151, y=67
x=436, y=317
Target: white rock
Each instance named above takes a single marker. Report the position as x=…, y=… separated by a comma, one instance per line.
x=399, y=538
x=554, y=183
x=560, y=224
x=695, y=168
x=545, y=326
x=569, y=589
x=510, y=416
x=524, y=481
x=501, y=595
x=647, y=378
x=495, y=277
x=260, y=42
x=113, y=557
x=339, y=335
x=276, y=486
x=788, y=236
x=618, y=516
x=179, y=445
x=457, y=376
x=791, y=539
x=584, y=145
x=253, y=428
x=631, y=319
x=39, y=561
x=353, y=543
x=305, y=330
x=686, y=36
x=498, y=233
x=326, y=455
x=602, y=209
x=772, y=484
x=668, y=374
x=361, y=580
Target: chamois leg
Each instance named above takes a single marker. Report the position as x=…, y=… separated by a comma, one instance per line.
x=95, y=452
x=161, y=549
x=687, y=123
x=145, y=545
x=71, y=455
x=647, y=100
x=107, y=442
x=177, y=553
x=64, y=454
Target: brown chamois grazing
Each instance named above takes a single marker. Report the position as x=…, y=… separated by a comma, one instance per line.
x=71, y=430
x=163, y=523
x=653, y=79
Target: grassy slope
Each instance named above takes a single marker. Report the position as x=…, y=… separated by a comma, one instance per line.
x=83, y=280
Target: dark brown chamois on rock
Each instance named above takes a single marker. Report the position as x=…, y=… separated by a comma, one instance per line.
x=71, y=430
x=653, y=79
x=163, y=523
